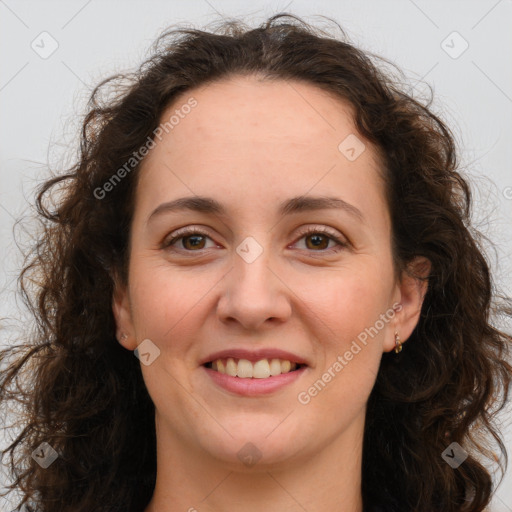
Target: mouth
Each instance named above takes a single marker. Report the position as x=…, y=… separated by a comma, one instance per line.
x=245, y=369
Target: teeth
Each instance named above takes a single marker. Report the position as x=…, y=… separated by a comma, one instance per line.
x=245, y=369
x=261, y=369
x=275, y=367
x=231, y=367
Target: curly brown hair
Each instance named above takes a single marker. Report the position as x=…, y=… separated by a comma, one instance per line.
x=83, y=393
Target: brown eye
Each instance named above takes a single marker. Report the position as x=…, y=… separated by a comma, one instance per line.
x=194, y=242
x=187, y=240
x=318, y=241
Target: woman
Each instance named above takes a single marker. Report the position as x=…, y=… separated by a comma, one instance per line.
x=279, y=234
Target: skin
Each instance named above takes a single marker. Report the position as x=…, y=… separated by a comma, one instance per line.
x=251, y=144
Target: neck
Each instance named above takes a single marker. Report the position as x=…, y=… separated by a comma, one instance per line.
x=190, y=480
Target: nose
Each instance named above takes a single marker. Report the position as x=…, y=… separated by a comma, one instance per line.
x=254, y=295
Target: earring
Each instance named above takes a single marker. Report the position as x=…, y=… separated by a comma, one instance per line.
x=398, y=343
x=124, y=336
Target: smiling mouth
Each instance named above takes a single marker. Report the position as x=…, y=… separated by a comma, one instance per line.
x=245, y=369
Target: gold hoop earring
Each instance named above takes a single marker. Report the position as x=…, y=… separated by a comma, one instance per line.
x=398, y=344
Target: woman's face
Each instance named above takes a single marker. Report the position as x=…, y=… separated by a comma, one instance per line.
x=260, y=282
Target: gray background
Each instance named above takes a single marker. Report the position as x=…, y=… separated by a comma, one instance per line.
x=42, y=99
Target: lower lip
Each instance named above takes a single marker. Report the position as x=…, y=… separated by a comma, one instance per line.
x=253, y=387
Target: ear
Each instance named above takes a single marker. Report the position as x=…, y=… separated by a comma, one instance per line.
x=123, y=316
x=411, y=290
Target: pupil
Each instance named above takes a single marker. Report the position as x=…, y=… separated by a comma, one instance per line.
x=317, y=240
x=196, y=240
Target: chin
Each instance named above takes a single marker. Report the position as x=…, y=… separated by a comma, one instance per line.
x=260, y=445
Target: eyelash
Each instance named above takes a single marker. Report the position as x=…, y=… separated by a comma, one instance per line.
x=342, y=243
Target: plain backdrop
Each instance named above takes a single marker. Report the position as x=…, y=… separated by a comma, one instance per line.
x=53, y=52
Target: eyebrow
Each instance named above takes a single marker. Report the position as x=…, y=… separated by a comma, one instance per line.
x=294, y=205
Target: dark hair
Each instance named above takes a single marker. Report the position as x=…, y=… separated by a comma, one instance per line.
x=84, y=394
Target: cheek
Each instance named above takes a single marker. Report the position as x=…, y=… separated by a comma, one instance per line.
x=349, y=301
x=164, y=299
x=349, y=330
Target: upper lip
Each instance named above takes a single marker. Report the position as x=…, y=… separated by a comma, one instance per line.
x=254, y=355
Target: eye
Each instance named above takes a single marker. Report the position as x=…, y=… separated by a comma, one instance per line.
x=318, y=239
x=192, y=239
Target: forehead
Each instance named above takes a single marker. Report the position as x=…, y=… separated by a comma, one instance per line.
x=259, y=136
x=252, y=109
